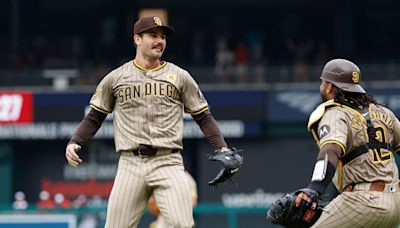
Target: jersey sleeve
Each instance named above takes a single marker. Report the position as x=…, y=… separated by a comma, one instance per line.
x=192, y=97
x=396, y=135
x=333, y=128
x=103, y=99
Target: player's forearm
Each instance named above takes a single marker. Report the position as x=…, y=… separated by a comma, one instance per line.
x=325, y=167
x=88, y=127
x=210, y=129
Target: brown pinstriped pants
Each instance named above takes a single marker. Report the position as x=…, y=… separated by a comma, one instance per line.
x=137, y=177
x=367, y=209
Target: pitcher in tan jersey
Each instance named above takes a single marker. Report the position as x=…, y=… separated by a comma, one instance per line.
x=357, y=138
x=148, y=98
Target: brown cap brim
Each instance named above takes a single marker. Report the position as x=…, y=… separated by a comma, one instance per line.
x=349, y=87
x=167, y=29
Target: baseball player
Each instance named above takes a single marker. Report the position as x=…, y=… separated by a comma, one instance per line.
x=357, y=138
x=147, y=97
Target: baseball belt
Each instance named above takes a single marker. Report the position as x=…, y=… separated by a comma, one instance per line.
x=377, y=186
x=150, y=151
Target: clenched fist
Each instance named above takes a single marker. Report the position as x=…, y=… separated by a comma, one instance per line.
x=71, y=154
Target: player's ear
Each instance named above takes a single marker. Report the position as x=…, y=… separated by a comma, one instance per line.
x=137, y=39
x=330, y=87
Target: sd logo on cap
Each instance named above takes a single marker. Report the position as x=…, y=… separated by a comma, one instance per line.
x=146, y=23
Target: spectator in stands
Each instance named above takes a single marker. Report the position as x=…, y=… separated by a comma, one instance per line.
x=242, y=56
x=224, y=62
x=20, y=202
x=80, y=201
x=299, y=41
x=301, y=47
x=96, y=201
x=258, y=63
x=301, y=71
x=45, y=201
x=321, y=55
x=61, y=201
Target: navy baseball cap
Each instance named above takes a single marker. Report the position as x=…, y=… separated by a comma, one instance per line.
x=146, y=23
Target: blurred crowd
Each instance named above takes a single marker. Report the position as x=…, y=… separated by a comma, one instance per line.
x=244, y=60
x=235, y=58
x=240, y=47
x=47, y=202
x=87, y=205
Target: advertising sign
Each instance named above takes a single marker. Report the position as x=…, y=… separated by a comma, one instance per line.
x=297, y=105
x=16, y=107
x=42, y=221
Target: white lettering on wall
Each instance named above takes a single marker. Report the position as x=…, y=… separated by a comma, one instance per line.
x=10, y=107
x=259, y=198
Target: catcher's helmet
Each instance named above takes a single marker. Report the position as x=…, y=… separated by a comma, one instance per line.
x=343, y=74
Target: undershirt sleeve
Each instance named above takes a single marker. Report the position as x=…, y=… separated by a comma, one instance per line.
x=210, y=129
x=88, y=127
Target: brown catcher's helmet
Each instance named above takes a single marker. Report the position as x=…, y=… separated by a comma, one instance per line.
x=343, y=74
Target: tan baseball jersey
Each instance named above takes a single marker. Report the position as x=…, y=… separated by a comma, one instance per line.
x=148, y=105
x=347, y=128
x=335, y=123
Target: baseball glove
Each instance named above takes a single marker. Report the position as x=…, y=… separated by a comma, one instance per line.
x=231, y=161
x=285, y=212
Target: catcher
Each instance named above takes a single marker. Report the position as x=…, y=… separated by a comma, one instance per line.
x=357, y=138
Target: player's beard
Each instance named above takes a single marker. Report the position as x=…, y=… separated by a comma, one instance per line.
x=156, y=52
x=151, y=54
x=323, y=96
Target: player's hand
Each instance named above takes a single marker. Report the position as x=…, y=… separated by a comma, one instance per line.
x=302, y=196
x=71, y=155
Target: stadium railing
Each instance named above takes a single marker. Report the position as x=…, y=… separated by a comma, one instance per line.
x=50, y=78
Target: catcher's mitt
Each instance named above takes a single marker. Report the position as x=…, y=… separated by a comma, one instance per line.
x=285, y=212
x=231, y=160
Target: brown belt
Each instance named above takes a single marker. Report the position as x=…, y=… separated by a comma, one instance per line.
x=150, y=151
x=377, y=186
